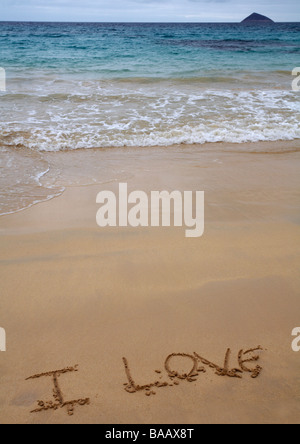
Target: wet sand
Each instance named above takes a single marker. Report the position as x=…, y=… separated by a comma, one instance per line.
x=75, y=294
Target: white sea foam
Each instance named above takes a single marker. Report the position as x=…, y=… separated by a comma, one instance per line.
x=60, y=117
x=148, y=116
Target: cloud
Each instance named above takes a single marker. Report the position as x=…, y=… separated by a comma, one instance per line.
x=147, y=10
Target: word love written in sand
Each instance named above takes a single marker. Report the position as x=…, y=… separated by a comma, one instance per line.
x=244, y=358
x=175, y=377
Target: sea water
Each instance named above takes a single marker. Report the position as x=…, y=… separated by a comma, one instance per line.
x=72, y=86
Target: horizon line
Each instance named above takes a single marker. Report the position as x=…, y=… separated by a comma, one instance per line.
x=140, y=22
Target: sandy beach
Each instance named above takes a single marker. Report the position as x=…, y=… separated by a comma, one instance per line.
x=75, y=294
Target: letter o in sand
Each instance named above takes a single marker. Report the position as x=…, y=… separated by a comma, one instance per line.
x=174, y=374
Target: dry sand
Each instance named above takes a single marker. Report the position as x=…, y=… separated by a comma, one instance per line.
x=74, y=294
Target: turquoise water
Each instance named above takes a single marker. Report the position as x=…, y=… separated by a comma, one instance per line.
x=81, y=86
x=113, y=51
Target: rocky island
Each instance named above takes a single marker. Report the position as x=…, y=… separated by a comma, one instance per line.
x=257, y=18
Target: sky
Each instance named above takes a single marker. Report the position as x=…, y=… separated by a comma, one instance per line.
x=147, y=10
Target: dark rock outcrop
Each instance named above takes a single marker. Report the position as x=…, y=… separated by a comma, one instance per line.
x=257, y=18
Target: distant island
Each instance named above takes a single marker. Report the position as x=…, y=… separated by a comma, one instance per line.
x=257, y=18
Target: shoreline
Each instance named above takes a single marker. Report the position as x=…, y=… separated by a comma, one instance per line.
x=255, y=148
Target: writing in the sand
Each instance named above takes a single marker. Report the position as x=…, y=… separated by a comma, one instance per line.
x=196, y=365
x=58, y=397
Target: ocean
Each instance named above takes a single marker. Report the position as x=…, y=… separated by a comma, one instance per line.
x=79, y=86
